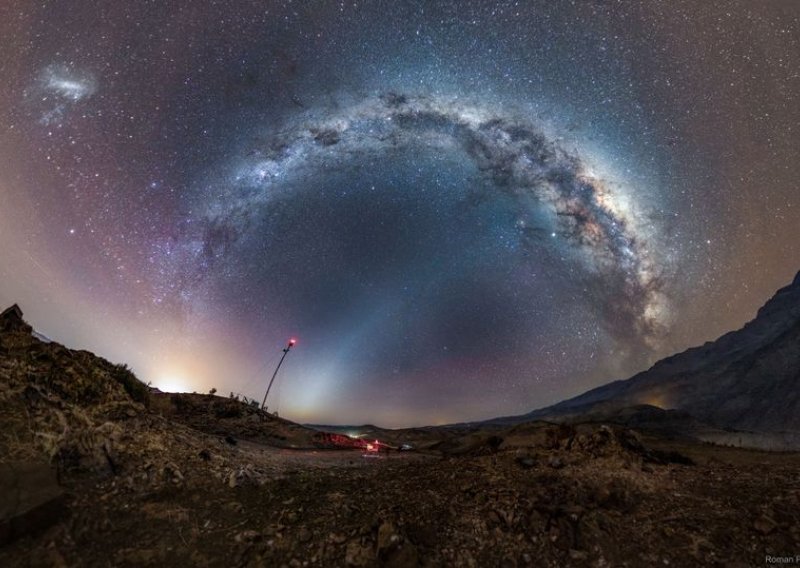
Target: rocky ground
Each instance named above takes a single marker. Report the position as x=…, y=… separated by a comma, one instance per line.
x=141, y=487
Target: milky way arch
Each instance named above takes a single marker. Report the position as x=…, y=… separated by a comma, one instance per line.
x=620, y=265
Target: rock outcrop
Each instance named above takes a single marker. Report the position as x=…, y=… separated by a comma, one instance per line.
x=31, y=499
x=11, y=320
x=81, y=413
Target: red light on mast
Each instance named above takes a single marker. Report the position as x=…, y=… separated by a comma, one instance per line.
x=292, y=342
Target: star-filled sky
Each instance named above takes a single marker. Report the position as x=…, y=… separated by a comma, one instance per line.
x=461, y=209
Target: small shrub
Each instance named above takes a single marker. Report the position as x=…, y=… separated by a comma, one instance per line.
x=135, y=388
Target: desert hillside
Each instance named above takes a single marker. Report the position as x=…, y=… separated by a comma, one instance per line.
x=746, y=382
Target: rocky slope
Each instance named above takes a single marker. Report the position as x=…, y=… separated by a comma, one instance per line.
x=746, y=380
x=233, y=419
x=82, y=414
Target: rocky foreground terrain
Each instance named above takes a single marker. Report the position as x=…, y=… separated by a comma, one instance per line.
x=96, y=471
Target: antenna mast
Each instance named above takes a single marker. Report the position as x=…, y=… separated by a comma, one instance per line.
x=275, y=374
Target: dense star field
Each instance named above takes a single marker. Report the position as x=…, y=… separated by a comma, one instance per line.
x=460, y=209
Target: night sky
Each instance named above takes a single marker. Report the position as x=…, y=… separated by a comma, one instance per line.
x=460, y=209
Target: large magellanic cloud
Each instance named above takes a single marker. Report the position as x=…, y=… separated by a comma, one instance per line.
x=58, y=88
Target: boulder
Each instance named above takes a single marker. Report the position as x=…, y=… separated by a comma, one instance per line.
x=11, y=321
x=30, y=500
